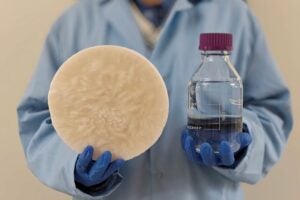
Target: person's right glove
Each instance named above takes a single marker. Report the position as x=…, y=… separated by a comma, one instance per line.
x=225, y=158
x=89, y=173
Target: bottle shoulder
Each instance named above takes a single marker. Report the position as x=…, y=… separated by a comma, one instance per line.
x=216, y=72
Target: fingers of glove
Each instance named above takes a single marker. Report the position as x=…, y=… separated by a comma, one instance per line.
x=114, y=166
x=244, y=139
x=189, y=147
x=226, y=154
x=100, y=166
x=207, y=154
x=84, y=160
x=183, y=137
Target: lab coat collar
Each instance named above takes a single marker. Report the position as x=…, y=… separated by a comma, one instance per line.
x=179, y=4
x=182, y=5
x=186, y=4
x=119, y=15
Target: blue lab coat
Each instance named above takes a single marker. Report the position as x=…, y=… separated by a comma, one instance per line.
x=163, y=172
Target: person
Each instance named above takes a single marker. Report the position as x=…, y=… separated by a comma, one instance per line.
x=166, y=32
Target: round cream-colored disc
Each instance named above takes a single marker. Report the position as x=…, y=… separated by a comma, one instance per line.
x=109, y=97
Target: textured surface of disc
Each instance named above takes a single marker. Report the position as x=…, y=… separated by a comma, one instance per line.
x=111, y=98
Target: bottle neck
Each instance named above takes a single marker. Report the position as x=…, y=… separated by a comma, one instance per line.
x=209, y=56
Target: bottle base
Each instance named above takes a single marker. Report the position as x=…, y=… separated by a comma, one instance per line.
x=214, y=138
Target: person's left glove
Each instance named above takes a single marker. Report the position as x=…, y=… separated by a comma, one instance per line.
x=89, y=173
x=226, y=157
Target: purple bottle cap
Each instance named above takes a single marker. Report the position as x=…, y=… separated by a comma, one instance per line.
x=215, y=42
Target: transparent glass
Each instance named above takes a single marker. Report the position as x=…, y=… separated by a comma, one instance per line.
x=215, y=101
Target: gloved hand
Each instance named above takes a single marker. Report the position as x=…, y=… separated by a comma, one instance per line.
x=226, y=157
x=89, y=172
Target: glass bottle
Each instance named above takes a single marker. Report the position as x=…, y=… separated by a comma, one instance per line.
x=215, y=95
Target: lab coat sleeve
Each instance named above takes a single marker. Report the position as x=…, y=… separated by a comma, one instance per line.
x=266, y=113
x=49, y=159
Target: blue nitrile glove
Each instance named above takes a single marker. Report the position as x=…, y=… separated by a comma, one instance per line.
x=225, y=158
x=89, y=172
